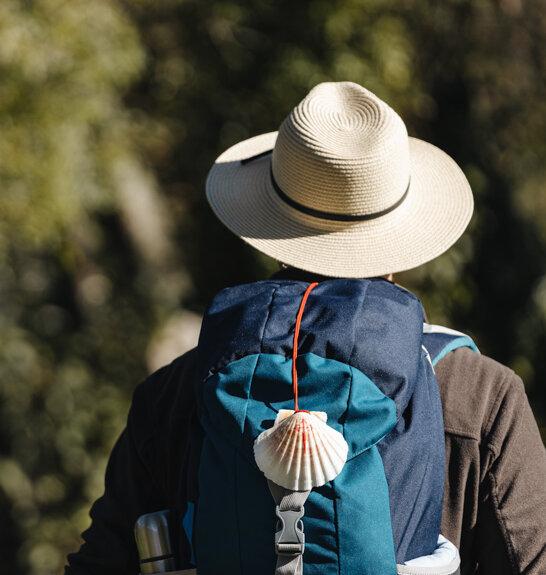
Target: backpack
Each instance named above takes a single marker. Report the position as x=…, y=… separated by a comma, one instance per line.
x=359, y=352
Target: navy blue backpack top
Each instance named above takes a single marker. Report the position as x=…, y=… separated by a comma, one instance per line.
x=366, y=358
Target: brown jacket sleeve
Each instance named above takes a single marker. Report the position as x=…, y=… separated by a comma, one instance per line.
x=495, y=493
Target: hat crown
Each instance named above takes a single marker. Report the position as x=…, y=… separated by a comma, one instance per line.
x=342, y=150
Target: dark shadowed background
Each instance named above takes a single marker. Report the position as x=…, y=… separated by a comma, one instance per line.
x=111, y=114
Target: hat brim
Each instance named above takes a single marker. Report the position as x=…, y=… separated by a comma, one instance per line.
x=433, y=216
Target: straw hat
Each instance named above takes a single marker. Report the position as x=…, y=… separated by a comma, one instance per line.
x=340, y=189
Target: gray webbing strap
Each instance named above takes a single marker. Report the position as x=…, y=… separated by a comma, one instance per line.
x=289, y=537
x=428, y=570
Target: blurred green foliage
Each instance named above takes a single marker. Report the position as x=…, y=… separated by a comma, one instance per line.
x=111, y=114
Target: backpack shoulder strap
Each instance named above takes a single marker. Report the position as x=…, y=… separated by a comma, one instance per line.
x=439, y=341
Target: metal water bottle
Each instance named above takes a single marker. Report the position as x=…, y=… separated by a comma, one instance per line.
x=154, y=543
x=154, y=546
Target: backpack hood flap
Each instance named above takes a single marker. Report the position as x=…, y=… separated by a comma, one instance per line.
x=243, y=399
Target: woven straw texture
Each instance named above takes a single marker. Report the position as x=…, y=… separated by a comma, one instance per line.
x=343, y=151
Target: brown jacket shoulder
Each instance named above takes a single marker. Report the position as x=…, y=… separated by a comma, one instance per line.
x=495, y=492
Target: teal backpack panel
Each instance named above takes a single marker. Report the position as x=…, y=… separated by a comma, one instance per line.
x=235, y=507
x=363, y=516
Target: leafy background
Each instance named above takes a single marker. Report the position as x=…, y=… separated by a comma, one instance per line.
x=111, y=113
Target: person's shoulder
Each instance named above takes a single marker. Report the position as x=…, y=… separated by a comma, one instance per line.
x=167, y=378
x=163, y=397
x=475, y=388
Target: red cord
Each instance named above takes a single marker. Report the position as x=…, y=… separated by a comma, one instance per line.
x=295, y=345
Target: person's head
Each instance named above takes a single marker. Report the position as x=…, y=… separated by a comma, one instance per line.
x=341, y=190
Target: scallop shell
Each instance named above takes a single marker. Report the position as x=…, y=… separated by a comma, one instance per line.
x=301, y=450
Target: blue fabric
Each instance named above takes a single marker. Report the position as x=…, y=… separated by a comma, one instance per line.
x=367, y=327
x=442, y=344
x=239, y=403
x=414, y=458
x=187, y=526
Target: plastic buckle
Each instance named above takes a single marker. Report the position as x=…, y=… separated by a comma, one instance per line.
x=289, y=538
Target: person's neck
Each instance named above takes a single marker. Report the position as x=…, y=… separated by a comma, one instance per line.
x=290, y=273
